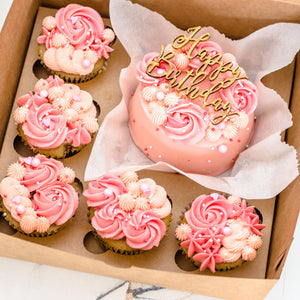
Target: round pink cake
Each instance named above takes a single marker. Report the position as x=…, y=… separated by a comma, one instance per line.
x=193, y=107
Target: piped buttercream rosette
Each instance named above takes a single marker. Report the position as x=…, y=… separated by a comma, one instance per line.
x=56, y=114
x=220, y=233
x=75, y=40
x=128, y=209
x=38, y=196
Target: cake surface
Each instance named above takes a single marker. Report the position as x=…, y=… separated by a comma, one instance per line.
x=57, y=119
x=37, y=195
x=130, y=215
x=75, y=42
x=220, y=233
x=193, y=107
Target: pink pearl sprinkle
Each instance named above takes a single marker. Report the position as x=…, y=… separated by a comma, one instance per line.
x=222, y=149
x=35, y=162
x=43, y=93
x=20, y=209
x=86, y=63
x=108, y=192
x=145, y=189
x=76, y=97
x=160, y=71
x=16, y=199
x=227, y=230
x=214, y=196
x=160, y=96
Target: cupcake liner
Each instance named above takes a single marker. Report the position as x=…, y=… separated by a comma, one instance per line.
x=63, y=151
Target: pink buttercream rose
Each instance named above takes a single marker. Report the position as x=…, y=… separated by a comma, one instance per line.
x=77, y=134
x=144, y=230
x=104, y=190
x=81, y=25
x=57, y=202
x=160, y=70
x=108, y=222
x=209, y=212
x=39, y=171
x=45, y=127
x=242, y=96
x=186, y=123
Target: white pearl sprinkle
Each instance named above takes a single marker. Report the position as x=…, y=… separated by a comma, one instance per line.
x=213, y=148
x=150, y=147
x=159, y=156
x=37, y=182
x=209, y=161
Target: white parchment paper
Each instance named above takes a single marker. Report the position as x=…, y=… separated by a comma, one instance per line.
x=261, y=171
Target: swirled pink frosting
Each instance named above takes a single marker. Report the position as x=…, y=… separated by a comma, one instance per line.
x=78, y=134
x=45, y=127
x=81, y=25
x=40, y=171
x=108, y=221
x=144, y=230
x=186, y=123
x=141, y=69
x=57, y=202
x=207, y=211
x=104, y=190
x=242, y=96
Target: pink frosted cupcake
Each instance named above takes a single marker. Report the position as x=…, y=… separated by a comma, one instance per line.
x=75, y=44
x=218, y=233
x=129, y=215
x=37, y=196
x=57, y=119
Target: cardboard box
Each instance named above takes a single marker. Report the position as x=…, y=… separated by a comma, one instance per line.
x=74, y=247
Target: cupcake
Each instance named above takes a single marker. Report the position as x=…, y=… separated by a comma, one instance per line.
x=218, y=233
x=38, y=197
x=193, y=107
x=75, y=44
x=129, y=215
x=57, y=119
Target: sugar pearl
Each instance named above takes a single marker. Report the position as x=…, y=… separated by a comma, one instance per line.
x=222, y=148
x=86, y=63
x=35, y=162
x=227, y=230
x=20, y=209
x=108, y=192
x=43, y=93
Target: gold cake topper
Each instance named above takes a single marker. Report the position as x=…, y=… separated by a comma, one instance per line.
x=197, y=76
